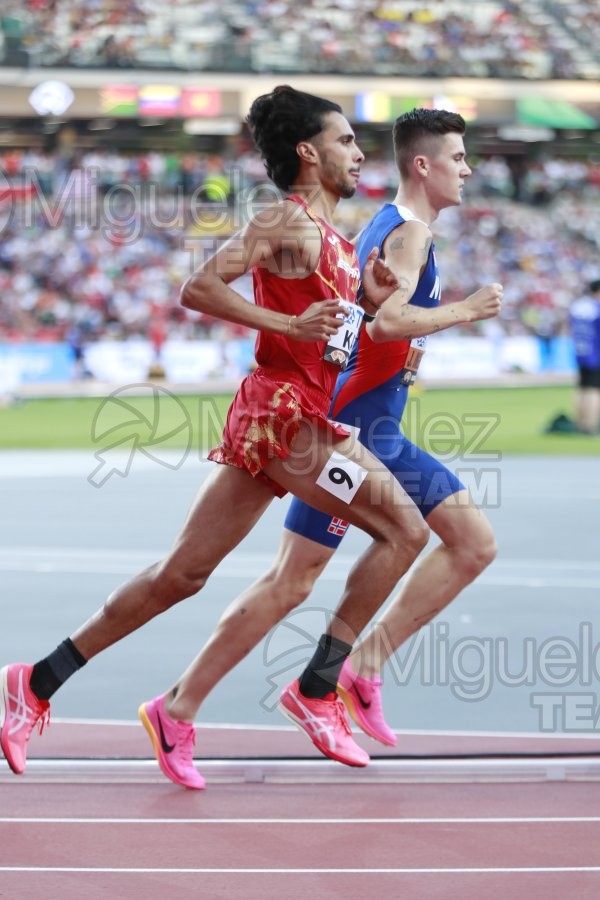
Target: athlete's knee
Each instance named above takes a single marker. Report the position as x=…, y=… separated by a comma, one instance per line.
x=405, y=538
x=485, y=551
x=485, y=546
x=174, y=582
x=477, y=553
x=420, y=535
x=412, y=534
x=291, y=586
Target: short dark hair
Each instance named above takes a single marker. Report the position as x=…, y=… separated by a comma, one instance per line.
x=278, y=122
x=594, y=285
x=413, y=130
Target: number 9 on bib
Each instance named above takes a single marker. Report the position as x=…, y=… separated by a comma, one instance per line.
x=341, y=477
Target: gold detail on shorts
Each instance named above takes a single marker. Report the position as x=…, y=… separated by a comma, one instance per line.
x=254, y=431
x=276, y=399
x=263, y=438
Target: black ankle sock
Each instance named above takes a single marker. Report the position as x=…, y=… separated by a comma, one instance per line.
x=321, y=674
x=50, y=673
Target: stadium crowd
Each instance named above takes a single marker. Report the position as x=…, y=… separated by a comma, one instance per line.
x=94, y=251
x=215, y=177
x=494, y=39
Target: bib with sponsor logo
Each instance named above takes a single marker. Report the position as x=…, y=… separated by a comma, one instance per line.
x=340, y=344
x=408, y=373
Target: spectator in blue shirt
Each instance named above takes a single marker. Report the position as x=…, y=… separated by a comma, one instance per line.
x=585, y=327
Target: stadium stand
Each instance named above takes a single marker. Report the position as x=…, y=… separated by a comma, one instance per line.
x=532, y=39
x=82, y=257
x=99, y=229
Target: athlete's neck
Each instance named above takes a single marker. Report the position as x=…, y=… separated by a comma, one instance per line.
x=321, y=201
x=418, y=204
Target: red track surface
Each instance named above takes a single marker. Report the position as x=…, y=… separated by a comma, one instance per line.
x=68, y=836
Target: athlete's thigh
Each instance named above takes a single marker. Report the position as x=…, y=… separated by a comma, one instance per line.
x=228, y=505
x=344, y=479
x=444, y=501
x=426, y=480
x=457, y=520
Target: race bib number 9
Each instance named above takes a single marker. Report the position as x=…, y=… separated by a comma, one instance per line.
x=342, y=477
x=340, y=344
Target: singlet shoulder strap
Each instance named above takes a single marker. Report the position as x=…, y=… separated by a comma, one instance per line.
x=324, y=227
x=321, y=225
x=408, y=215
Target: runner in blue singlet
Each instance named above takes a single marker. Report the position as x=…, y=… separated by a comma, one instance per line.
x=371, y=395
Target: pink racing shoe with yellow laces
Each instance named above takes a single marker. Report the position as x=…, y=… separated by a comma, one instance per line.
x=173, y=744
x=20, y=712
x=362, y=697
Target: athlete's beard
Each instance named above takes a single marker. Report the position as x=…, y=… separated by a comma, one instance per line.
x=346, y=190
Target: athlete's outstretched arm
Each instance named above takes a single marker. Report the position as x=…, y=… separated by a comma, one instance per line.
x=406, y=250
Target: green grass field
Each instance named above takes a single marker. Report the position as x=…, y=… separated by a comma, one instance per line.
x=449, y=421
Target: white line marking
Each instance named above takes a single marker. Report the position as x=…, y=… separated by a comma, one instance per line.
x=562, y=737
x=581, y=574
x=508, y=820
x=182, y=871
x=533, y=769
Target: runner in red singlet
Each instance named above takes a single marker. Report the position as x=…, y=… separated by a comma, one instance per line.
x=291, y=380
x=277, y=439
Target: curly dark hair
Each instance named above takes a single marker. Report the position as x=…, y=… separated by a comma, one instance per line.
x=412, y=132
x=278, y=122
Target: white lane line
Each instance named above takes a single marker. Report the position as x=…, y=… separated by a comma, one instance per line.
x=563, y=739
x=120, y=557
x=504, y=820
x=528, y=573
x=106, y=870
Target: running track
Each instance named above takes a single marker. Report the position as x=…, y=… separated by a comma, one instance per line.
x=516, y=818
x=455, y=816
x=252, y=841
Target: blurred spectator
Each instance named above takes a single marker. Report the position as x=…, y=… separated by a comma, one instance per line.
x=585, y=326
x=102, y=246
x=533, y=182
x=543, y=318
x=13, y=28
x=75, y=337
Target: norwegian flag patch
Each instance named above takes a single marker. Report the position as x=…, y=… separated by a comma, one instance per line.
x=338, y=526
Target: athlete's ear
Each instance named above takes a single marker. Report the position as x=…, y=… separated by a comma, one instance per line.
x=306, y=152
x=421, y=164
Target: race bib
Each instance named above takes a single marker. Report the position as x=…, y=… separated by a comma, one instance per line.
x=341, y=477
x=413, y=360
x=340, y=344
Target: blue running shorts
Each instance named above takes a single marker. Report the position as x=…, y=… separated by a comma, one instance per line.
x=425, y=479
